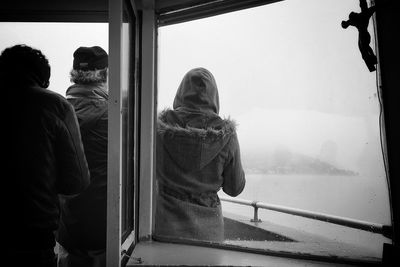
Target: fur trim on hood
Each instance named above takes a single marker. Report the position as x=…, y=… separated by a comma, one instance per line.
x=88, y=76
x=191, y=147
x=225, y=128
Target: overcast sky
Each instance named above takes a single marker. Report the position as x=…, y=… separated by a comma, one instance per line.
x=57, y=41
x=291, y=54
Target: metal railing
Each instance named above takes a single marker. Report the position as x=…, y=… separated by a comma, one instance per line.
x=385, y=230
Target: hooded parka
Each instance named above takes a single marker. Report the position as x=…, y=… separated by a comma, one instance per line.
x=197, y=155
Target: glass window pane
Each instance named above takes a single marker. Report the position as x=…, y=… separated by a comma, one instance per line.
x=308, y=121
x=127, y=89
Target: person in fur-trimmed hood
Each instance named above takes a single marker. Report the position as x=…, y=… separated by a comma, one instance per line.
x=197, y=155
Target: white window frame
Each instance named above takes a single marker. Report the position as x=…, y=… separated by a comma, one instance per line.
x=147, y=125
x=114, y=174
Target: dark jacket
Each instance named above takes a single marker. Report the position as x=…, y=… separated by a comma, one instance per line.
x=197, y=155
x=43, y=158
x=84, y=217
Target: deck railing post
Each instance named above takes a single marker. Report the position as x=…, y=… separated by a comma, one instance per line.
x=255, y=218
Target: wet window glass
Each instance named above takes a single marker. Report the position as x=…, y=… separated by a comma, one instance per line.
x=306, y=111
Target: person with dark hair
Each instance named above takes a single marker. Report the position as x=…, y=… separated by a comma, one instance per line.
x=82, y=232
x=197, y=154
x=43, y=157
x=361, y=21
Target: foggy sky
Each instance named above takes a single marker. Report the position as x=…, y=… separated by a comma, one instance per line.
x=57, y=41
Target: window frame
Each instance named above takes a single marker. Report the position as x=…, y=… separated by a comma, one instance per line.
x=130, y=128
x=152, y=20
x=122, y=127
x=173, y=13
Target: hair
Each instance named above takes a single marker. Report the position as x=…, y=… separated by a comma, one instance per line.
x=89, y=76
x=24, y=65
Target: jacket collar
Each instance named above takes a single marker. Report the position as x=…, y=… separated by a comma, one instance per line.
x=93, y=91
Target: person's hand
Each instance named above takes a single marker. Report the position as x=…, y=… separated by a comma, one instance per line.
x=345, y=24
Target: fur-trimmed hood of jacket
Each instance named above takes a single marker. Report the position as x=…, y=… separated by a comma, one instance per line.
x=193, y=139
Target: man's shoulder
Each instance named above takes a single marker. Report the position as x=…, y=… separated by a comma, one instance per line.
x=55, y=97
x=51, y=95
x=51, y=101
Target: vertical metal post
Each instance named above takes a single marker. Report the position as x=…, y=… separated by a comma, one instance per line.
x=114, y=180
x=147, y=126
x=255, y=218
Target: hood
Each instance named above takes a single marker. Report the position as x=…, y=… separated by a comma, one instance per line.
x=198, y=91
x=94, y=91
x=190, y=147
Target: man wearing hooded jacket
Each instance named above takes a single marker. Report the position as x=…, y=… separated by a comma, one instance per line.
x=82, y=232
x=197, y=155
